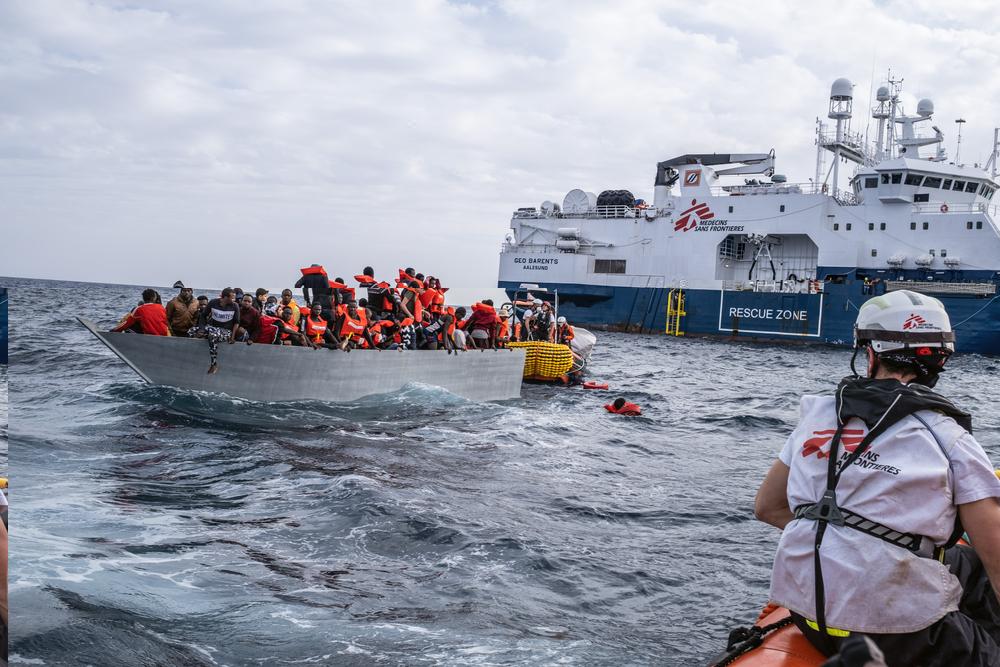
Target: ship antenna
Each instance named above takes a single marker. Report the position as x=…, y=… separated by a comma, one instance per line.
x=958, y=147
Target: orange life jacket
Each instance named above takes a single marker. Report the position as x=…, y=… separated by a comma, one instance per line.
x=314, y=270
x=352, y=326
x=427, y=297
x=628, y=409
x=565, y=334
x=315, y=329
x=504, y=329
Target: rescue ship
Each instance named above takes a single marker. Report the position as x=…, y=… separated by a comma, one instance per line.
x=729, y=248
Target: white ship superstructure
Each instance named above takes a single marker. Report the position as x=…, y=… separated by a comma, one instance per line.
x=730, y=248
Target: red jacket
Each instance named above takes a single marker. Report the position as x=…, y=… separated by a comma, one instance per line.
x=149, y=318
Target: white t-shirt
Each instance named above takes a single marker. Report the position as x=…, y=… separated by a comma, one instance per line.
x=904, y=481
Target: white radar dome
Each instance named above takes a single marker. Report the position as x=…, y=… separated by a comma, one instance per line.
x=883, y=94
x=577, y=202
x=925, y=108
x=842, y=89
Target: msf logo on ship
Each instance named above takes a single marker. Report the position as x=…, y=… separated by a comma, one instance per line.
x=689, y=218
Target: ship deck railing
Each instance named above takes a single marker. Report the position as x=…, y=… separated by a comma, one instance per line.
x=597, y=212
x=773, y=286
x=750, y=189
x=991, y=210
x=542, y=249
x=938, y=287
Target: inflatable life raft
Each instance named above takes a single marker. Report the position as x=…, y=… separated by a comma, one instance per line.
x=550, y=362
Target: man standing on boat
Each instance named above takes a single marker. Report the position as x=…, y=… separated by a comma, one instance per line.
x=873, y=490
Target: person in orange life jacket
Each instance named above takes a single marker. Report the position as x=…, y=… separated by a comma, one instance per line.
x=315, y=286
x=564, y=332
x=288, y=302
x=217, y=322
x=872, y=491
x=382, y=298
x=352, y=328
x=318, y=329
x=503, y=326
x=481, y=325
x=148, y=318
x=410, y=300
x=622, y=407
x=458, y=332
x=289, y=333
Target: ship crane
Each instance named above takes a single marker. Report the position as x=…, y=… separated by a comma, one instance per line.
x=667, y=173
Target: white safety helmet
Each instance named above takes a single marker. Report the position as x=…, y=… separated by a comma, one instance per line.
x=903, y=320
x=561, y=320
x=505, y=310
x=537, y=302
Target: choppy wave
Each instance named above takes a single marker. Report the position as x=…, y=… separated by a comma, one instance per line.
x=163, y=527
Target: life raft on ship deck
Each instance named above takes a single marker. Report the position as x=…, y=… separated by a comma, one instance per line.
x=545, y=362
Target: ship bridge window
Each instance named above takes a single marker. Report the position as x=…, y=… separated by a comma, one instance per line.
x=958, y=186
x=971, y=186
x=946, y=185
x=944, y=253
x=897, y=178
x=932, y=182
x=871, y=182
x=979, y=224
x=968, y=225
x=885, y=179
x=871, y=226
x=913, y=225
x=881, y=226
x=913, y=179
x=920, y=198
x=874, y=252
x=609, y=266
x=982, y=189
x=926, y=225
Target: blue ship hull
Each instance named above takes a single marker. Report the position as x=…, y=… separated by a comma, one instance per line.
x=762, y=316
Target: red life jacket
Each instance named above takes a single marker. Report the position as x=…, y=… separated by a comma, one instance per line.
x=315, y=329
x=628, y=409
x=314, y=270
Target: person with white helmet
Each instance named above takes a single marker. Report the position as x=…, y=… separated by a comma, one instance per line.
x=873, y=490
x=564, y=332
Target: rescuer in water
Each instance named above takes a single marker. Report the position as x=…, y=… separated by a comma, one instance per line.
x=885, y=475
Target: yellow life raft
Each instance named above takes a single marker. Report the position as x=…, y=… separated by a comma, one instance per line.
x=547, y=362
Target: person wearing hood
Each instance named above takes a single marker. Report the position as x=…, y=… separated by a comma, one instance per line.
x=873, y=490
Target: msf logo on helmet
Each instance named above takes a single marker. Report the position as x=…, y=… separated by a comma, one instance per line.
x=819, y=443
x=689, y=218
x=914, y=321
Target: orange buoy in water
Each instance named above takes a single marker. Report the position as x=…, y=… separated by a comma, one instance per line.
x=623, y=407
x=594, y=384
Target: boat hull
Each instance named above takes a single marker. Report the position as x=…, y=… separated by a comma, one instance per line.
x=762, y=316
x=282, y=373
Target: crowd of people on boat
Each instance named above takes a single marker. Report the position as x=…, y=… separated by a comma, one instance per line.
x=410, y=313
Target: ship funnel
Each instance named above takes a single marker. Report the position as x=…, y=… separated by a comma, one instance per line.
x=925, y=108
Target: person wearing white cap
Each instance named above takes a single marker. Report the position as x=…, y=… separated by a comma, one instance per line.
x=564, y=332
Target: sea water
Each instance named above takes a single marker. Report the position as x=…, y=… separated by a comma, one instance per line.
x=152, y=526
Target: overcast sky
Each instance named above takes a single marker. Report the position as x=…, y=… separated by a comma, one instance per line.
x=231, y=142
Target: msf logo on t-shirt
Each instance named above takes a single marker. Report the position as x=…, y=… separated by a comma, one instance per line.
x=689, y=218
x=819, y=443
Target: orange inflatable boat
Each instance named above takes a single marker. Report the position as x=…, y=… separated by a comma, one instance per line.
x=780, y=645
